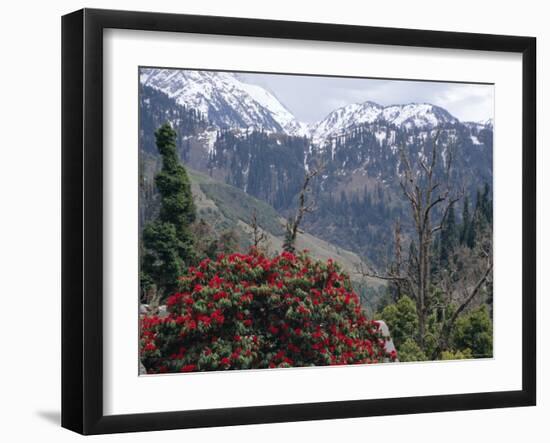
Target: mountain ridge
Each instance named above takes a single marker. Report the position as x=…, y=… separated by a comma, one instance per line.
x=223, y=98
x=228, y=101
x=358, y=189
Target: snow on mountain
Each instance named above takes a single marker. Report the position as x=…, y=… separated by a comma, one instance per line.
x=417, y=115
x=344, y=118
x=282, y=115
x=228, y=101
x=224, y=99
x=481, y=124
x=421, y=115
x=487, y=123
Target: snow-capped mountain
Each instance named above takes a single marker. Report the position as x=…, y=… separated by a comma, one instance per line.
x=417, y=115
x=228, y=101
x=486, y=123
x=360, y=145
x=224, y=99
x=479, y=125
x=344, y=118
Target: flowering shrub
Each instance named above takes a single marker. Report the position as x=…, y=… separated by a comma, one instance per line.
x=251, y=311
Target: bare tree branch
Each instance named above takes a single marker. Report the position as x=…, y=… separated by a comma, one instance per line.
x=447, y=327
x=450, y=203
x=293, y=223
x=373, y=274
x=258, y=235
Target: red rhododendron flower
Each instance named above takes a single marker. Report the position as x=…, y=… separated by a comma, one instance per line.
x=149, y=347
x=256, y=311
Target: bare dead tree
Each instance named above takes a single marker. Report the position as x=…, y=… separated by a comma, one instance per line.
x=258, y=235
x=426, y=196
x=292, y=227
x=461, y=288
x=396, y=266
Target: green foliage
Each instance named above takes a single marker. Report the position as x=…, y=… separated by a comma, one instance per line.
x=177, y=206
x=474, y=224
x=433, y=330
x=168, y=242
x=402, y=320
x=467, y=232
x=410, y=351
x=162, y=264
x=486, y=204
x=251, y=311
x=457, y=355
x=483, y=215
x=449, y=237
x=474, y=331
x=471, y=338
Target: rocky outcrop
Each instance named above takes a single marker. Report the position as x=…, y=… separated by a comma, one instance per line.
x=383, y=327
x=145, y=309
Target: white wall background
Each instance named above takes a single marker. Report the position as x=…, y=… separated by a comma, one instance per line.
x=30, y=219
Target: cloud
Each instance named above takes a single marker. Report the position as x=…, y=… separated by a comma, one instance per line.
x=468, y=102
x=311, y=98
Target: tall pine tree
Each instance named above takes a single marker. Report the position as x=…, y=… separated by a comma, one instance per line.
x=167, y=241
x=467, y=231
x=487, y=203
x=449, y=237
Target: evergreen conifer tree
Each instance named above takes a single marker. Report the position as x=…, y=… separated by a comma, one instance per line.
x=466, y=228
x=486, y=203
x=168, y=245
x=449, y=236
x=479, y=220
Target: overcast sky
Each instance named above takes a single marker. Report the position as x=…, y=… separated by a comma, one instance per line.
x=311, y=98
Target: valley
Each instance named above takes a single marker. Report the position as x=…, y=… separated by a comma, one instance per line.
x=238, y=134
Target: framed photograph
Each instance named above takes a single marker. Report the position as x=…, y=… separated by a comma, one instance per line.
x=270, y=221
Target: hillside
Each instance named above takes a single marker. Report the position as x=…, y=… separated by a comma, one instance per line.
x=226, y=207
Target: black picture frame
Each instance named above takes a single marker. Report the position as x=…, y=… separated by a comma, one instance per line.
x=82, y=219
